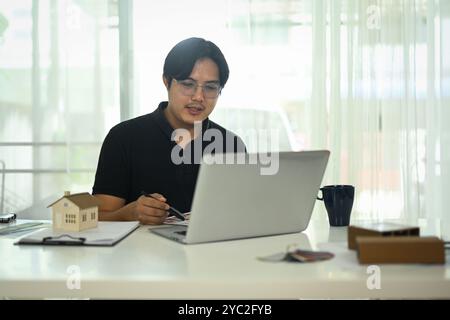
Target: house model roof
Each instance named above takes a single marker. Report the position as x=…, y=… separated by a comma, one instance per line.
x=81, y=200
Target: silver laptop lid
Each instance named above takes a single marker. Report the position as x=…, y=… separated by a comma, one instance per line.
x=233, y=201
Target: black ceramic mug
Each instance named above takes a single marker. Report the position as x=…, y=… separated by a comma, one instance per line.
x=338, y=201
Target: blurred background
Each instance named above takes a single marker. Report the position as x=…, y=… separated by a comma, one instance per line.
x=368, y=80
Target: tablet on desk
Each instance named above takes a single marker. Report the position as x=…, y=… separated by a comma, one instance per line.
x=19, y=227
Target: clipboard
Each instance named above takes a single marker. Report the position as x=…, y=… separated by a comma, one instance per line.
x=107, y=233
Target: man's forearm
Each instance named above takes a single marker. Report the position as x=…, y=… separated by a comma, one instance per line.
x=126, y=213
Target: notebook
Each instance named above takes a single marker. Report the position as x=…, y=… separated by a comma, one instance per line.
x=235, y=201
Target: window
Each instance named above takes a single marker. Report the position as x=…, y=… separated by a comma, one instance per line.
x=59, y=94
x=71, y=218
x=325, y=74
x=368, y=80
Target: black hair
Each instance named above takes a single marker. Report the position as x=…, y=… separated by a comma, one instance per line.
x=181, y=59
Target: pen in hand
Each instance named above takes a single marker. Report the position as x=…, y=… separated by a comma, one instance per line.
x=171, y=210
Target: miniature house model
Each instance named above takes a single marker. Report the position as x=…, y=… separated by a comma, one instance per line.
x=75, y=212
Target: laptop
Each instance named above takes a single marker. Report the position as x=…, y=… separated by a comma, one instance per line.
x=237, y=201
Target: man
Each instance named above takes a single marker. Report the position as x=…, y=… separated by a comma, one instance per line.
x=138, y=155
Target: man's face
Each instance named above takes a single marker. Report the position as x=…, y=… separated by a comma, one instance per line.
x=187, y=101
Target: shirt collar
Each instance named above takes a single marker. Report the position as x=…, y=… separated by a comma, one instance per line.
x=164, y=124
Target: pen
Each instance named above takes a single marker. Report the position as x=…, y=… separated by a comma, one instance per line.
x=171, y=210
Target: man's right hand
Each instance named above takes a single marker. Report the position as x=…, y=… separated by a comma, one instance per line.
x=146, y=210
x=151, y=210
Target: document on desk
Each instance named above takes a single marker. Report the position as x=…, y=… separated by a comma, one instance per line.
x=175, y=221
x=107, y=233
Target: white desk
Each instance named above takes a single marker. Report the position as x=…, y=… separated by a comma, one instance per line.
x=147, y=266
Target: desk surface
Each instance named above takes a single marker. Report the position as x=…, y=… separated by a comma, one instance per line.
x=145, y=265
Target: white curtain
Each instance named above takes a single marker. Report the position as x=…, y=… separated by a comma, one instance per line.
x=380, y=103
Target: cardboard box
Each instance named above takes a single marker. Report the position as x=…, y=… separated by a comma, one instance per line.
x=379, y=230
x=403, y=249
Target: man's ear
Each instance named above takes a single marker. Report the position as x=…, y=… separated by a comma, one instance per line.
x=166, y=83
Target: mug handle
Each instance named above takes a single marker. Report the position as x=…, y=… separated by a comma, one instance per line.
x=321, y=199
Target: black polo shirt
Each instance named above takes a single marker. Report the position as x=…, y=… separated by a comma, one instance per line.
x=136, y=156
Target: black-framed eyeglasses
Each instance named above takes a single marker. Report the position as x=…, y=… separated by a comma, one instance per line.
x=188, y=87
